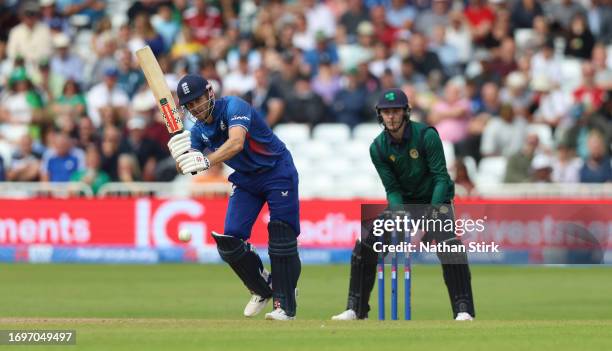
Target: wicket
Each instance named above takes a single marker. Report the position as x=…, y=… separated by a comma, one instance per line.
x=394, y=291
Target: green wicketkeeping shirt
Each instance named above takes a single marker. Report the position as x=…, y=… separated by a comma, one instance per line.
x=414, y=171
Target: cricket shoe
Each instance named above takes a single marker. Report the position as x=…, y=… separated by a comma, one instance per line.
x=278, y=315
x=464, y=316
x=348, y=315
x=257, y=303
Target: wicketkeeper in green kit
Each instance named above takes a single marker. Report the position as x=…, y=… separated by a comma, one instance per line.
x=410, y=161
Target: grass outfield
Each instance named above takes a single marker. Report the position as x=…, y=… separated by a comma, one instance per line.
x=199, y=307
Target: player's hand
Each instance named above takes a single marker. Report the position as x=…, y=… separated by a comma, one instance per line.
x=193, y=162
x=180, y=144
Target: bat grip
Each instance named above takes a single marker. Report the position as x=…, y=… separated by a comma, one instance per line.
x=192, y=173
x=175, y=133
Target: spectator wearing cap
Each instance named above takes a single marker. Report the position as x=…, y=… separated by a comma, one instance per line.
x=524, y=12
x=165, y=25
x=65, y=63
x=565, y=165
x=544, y=63
x=324, y=49
x=503, y=136
x=61, y=160
x=303, y=105
x=436, y=16
x=205, y=20
x=146, y=151
x=519, y=164
x=106, y=94
x=266, y=98
x=31, y=39
x=516, y=94
x=597, y=167
x=355, y=14
x=25, y=162
x=91, y=174
x=240, y=80
x=580, y=40
x=541, y=169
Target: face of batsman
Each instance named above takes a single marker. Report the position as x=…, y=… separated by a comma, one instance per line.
x=202, y=107
x=393, y=118
x=196, y=95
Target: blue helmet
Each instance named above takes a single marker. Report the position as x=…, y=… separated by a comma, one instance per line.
x=191, y=87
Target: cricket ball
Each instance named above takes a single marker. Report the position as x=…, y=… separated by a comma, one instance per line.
x=184, y=235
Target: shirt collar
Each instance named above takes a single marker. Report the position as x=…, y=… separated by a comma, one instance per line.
x=405, y=136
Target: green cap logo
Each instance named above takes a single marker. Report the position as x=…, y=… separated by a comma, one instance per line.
x=390, y=96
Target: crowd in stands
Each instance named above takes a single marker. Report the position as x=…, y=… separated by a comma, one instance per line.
x=526, y=80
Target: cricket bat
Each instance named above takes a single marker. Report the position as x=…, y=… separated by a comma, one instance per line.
x=157, y=82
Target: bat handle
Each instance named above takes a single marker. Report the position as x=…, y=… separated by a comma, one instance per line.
x=192, y=173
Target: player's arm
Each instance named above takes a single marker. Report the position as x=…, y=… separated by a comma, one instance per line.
x=232, y=146
x=437, y=166
x=388, y=178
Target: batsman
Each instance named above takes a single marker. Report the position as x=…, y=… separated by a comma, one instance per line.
x=409, y=159
x=229, y=130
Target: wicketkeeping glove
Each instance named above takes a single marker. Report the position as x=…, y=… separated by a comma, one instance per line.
x=180, y=144
x=193, y=162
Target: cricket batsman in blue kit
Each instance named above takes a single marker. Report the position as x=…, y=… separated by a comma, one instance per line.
x=229, y=130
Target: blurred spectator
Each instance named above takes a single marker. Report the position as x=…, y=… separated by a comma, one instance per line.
x=148, y=7
x=284, y=80
x=523, y=13
x=144, y=34
x=459, y=36
x=8, y=19
x=566, y=166
x=600, y=20
x=430, y=18
x=127, y=169
x=186, y=45
x=516, y=94
x=448, y=54
x=352, y=54
x=563, y=11
x=451, y=114
x=319, y=18
x=424, y=60
x=544, y=63
x=597, y=167
x=31, y=39
x=400, y=14
x=239, y=80
x=491, y=103
x=109, y=151
x=2, y=170
x=86, y=134
x=603, y=73
x=480, y=16
x=106, y=95
x=21, y=105
x=384, y=32
x=503, y=136
x=265, y=97
x=244, y=48
x=579, y=41
x=106, y=58
x=304, y=105
x=350, y=103
x=588, y=93
x=500, y=30
x=541, y=169
x=91, y=175
x=130, y=76
x=25, y=163
x=61, y=160
x=302, y=39
x=504, y=61
x=462, y=177
x=165, y=25
x=324, y=50
x=71, y=101
x=354, y=15
x=49, y=83
x=52, y=18
x=146, y=151
x=65, y=63
x=519, y=164
x=91, y=10
x=553, y=106
x=205, y=20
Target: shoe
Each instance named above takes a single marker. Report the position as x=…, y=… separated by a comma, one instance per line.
x=464, y=316
x=348, y=315
x=278, y=315
x=256, y=304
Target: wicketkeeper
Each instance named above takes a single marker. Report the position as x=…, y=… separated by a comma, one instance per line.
x=410, y=161
x=229, y=130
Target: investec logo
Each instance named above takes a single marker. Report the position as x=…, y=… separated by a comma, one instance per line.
x=151, y=226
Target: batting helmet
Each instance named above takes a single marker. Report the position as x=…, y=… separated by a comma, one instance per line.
x=393, y=98
x=191, y=87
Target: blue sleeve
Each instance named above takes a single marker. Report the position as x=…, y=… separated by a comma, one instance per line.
x=239, y=113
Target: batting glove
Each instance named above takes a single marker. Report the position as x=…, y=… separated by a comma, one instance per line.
x=180, y=144
x=193, y=162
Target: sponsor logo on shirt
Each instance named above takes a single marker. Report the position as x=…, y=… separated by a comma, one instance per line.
x=240, y=118
x=205, y=138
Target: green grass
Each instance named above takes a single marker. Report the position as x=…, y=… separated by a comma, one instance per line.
x=199, y=307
